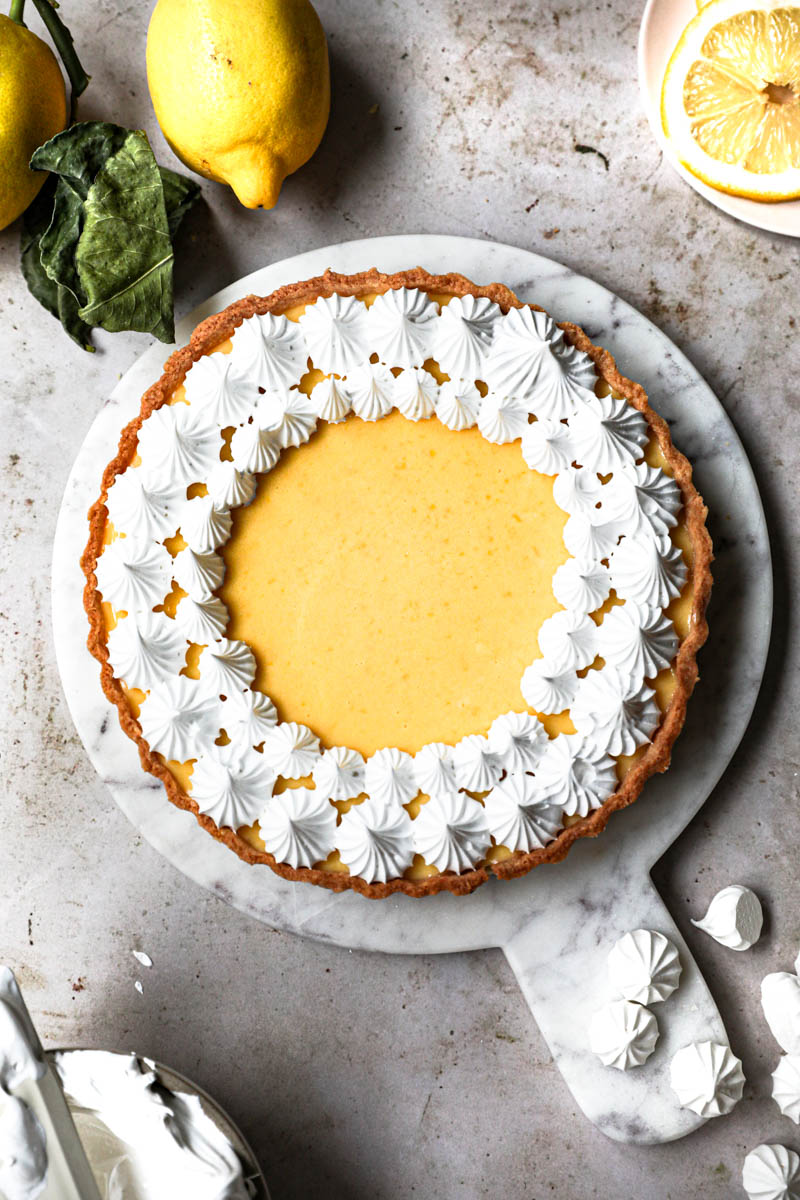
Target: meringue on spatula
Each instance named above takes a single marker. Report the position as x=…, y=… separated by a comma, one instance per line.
x=623, y=1034
x=707, y=1077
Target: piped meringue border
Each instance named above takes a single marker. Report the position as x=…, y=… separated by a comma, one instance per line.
x=656, y=757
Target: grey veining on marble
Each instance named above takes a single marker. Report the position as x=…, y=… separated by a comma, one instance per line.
x=558, y=923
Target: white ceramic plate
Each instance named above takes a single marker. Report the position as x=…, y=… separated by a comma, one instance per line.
x=662, y=24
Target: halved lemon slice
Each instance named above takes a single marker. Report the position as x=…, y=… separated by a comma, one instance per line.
x=730, y=102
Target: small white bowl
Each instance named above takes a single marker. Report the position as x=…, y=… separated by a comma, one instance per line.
x=176, y=1082
x=662, y=24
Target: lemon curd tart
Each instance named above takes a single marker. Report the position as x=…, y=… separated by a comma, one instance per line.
x=397, y=583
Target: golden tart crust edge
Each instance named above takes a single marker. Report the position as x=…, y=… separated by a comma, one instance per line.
x=216, y=329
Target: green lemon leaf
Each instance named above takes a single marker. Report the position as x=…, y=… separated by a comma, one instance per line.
x=180, y=194
x=124, y=254
x=57, y=299
x=80, y=152
x=135, y=205
x=58, y=242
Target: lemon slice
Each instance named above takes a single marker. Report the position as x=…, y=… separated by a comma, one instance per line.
x=730, y=102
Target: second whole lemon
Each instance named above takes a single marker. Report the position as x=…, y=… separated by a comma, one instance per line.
x=33, y=108
x=241, y=89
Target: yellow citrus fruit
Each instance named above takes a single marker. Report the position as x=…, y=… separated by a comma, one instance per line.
x=33, y=108
x=241, y=89
x=730, y=102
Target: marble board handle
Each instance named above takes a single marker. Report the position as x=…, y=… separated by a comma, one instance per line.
x=560, y=961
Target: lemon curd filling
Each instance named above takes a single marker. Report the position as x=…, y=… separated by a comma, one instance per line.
x=391, y=578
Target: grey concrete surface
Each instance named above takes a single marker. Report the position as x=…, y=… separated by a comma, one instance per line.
x=359, y=1077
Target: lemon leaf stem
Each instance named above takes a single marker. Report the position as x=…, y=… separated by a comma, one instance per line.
x=64, y=44
x=15, y=12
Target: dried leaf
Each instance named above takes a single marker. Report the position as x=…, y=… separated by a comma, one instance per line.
x=124, y=254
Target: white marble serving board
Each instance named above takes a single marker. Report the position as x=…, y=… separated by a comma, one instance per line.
x=557, y=924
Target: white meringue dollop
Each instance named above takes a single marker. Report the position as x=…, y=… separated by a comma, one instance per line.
x=143, y=513
x=576, y=774
x=229, y=487
x=502, y=418
x=613, y=711
x=220, y=390
x=581, y=585
x=372, y=391
x=298, y=827
x=568, y=640
x=477, y=767
x=520, y=817
x=290, y=416
x=623, y=1035
x=463, y=333
x=177, y=445
x=771, y=1172
x=133, y=574
x=546, y=688
x=199, y=575
x=270, y=350
x=201, y=621
x=227, y=667
x=707, y=1078
x=547, y=446
x=339, y=773
x=146, y=650
x=734, y=918
x=248, y=717
x=292, y=750
x=401, y=324
x=231, y=784
x=529, y=356
x=644, y=966
x=255, y=449
x=451, y=832
x=336, y=333
x=518, y=739
x=638, y=639
x=415, y=394
x=331, y=400
x=434, y=769
x=780, y=1000
x=652, y=571
x=375, y=841
x=786, y=1086
x=205, y=528
x=178, y=718
x=389, y=776
x=458, y=404
x=608, y=434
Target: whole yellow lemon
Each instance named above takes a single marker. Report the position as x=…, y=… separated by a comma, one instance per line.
x=241, y=89
x=33, y=108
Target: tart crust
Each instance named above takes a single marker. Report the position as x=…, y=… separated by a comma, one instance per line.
x=656, y=758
